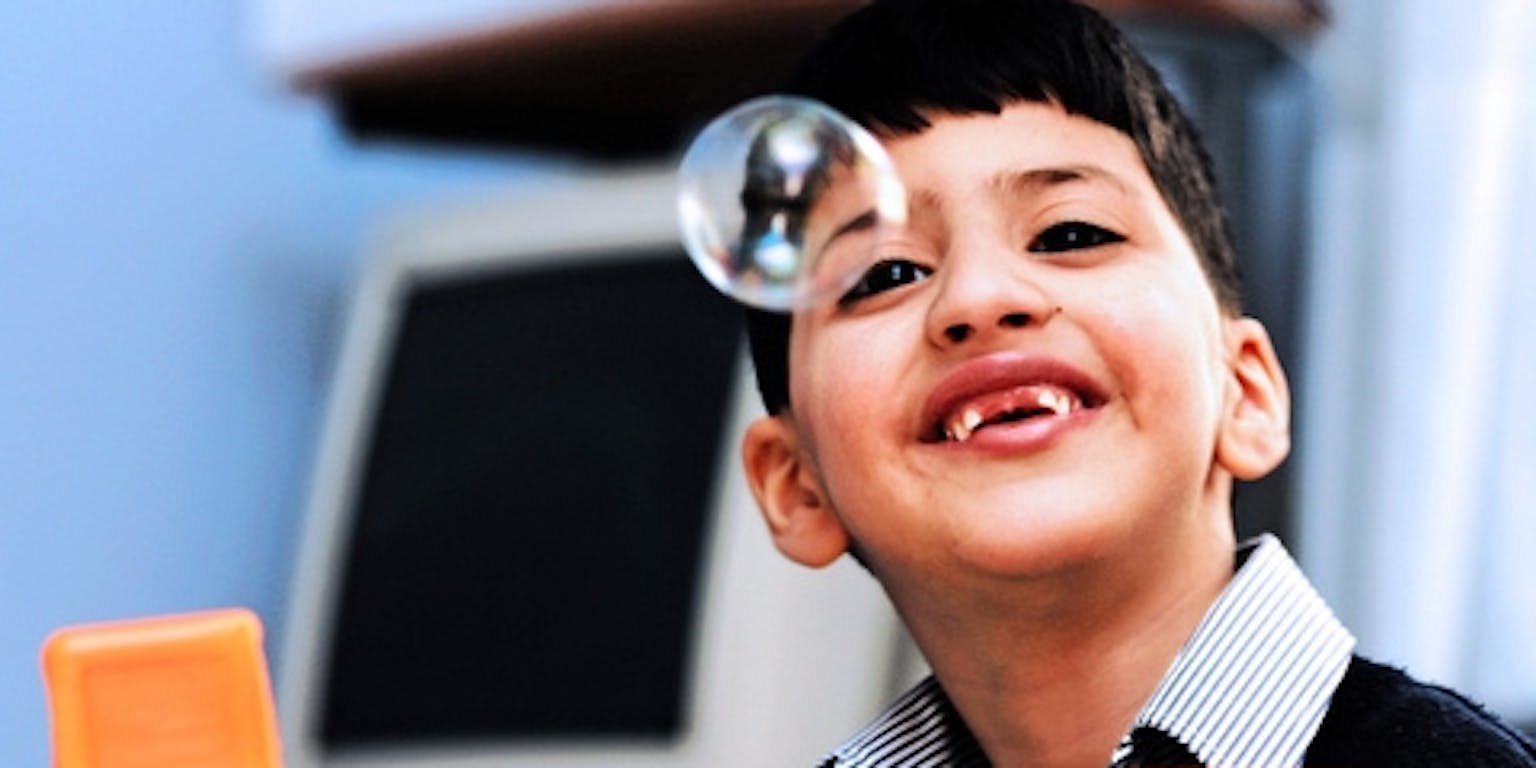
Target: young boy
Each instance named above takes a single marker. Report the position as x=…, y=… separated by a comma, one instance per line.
x=1026, y=421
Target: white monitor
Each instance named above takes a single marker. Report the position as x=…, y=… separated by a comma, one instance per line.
x=529, y=542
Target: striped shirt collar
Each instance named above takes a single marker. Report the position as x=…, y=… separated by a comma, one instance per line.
x=1248, y=689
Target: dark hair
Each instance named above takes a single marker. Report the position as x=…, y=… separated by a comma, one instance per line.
x=887, y=63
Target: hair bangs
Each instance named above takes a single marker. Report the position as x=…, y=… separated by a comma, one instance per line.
x=887, y=70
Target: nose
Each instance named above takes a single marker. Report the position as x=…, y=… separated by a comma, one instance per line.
x=983, y=291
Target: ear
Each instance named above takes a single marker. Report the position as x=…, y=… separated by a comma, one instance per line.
x=788, y=490
x=1255, y=431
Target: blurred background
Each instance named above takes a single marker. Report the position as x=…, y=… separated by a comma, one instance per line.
x=193, y=199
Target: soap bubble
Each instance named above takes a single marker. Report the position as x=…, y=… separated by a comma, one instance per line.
x=783, y=202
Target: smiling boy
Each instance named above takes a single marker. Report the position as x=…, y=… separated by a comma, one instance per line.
x=1027, y=418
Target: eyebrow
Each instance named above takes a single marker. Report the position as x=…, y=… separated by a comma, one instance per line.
x=865, y=220
x=1038, y=179
x=1032, y=180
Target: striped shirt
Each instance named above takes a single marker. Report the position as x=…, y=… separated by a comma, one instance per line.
x=1248, y=690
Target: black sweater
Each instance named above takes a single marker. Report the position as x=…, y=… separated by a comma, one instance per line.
x=1381, y=717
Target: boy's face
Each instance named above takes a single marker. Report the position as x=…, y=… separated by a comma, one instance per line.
x=1041, y=377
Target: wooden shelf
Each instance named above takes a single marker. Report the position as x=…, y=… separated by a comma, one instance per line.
x=629, y=79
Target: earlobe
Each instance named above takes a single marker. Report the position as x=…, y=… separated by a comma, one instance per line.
x=1255, y=432
x=804, y=526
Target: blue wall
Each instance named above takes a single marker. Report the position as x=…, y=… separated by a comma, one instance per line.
x=177, y=234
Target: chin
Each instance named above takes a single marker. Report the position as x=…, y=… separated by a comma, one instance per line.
x=1043, y=541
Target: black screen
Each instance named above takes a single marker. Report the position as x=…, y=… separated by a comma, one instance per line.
x=526, y=543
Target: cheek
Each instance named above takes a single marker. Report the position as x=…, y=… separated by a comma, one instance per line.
x=1166, y=346
x=851, y=370
x=847, y=388
x=844, y=394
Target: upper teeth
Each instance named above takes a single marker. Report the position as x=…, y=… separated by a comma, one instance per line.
x=964, y=424
x=1054, y=401
x=960, y=430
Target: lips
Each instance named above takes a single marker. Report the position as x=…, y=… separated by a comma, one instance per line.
x=1017, y=404
x=1003, y=390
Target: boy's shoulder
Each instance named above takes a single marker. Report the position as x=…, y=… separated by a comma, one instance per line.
x=1380, y=716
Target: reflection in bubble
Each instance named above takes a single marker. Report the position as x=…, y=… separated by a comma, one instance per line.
x=781, y=201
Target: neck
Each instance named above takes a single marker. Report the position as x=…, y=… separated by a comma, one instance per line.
x=1046, y=678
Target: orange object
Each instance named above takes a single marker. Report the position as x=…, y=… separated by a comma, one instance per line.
x=179, y=691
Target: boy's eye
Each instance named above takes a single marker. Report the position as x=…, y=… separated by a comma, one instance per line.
x=1071, y=236
x=883, y=276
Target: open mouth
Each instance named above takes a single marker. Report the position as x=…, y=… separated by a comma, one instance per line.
x=1009, y=406
x=1021, y=397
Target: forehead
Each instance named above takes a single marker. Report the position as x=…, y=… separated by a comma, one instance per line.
x=1028, y=147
